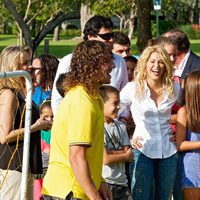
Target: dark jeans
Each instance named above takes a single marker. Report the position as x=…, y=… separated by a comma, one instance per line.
x=146, y=170
x=177, y=190
x=69, y=197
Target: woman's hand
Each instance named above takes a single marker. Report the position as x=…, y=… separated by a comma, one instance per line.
x=136, y=142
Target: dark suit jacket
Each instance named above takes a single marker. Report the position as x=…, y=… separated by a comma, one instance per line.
x=193, y=63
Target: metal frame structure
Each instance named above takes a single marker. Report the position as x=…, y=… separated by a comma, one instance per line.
x=27, y=132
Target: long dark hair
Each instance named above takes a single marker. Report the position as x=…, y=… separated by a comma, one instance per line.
x=49, y=65
x=192, y=101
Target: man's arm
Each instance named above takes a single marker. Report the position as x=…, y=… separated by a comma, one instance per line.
x=79, y=163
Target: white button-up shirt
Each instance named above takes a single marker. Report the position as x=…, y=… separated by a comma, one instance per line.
x=152, y=122
x=119, y=74
x=178, y=70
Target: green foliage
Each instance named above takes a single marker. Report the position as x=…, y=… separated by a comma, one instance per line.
x=71, y=33
x=178, y=12
x=164, y=26
x=112, y=7
x=40, y=10
x=6, y=21
x=191, y=33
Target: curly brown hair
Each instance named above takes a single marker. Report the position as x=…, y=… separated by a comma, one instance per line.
x=86, y=65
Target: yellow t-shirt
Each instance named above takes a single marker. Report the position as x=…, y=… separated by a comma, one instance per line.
x=79, y=120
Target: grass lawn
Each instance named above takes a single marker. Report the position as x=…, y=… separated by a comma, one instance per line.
x=65, y=45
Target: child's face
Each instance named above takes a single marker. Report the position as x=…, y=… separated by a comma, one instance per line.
x=111, y=106
x=47, y=114
x=130, y=69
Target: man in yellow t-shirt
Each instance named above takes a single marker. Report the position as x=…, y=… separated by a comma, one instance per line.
x=77, y=140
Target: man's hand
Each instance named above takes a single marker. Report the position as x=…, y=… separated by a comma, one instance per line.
x=105, y=191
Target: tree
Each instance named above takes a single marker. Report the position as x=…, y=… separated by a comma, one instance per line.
x=143, y=23
x=124, y=10
x=86, y=13
x=48, y=14
x=5, y=19
x=178, y=12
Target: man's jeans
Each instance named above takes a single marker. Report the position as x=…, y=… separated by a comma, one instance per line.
x=152, y=178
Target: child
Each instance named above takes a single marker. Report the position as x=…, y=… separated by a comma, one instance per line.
x=59, y=84
x=188, y=138
x=131, y=63
x=47, y=114
x=117, y=149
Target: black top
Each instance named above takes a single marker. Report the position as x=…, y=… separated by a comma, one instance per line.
x=6, y=150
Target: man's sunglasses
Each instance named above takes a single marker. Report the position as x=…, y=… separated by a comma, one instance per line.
x=106, y=36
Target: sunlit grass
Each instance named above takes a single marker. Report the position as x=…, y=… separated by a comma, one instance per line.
x=65, y=45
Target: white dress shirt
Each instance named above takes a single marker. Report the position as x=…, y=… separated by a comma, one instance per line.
x=63, y=67
x=152, y=122
x=178, y=70
x=119, y=76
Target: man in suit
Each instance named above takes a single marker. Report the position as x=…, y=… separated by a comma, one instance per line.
x=186, y=60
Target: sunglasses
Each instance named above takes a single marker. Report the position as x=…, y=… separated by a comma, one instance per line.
x=106, y=36
x=33, y=69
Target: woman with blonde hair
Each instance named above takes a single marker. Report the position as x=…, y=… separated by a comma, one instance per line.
x=12, y=107
x=150, y=97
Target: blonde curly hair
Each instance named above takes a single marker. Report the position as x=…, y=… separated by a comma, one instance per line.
x=141, y=73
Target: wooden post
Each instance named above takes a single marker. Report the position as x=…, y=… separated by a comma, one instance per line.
x=46, y=46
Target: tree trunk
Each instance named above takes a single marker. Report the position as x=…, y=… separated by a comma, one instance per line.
x=4, y=28
x=122, y=22
x=56, y=34
x=85, y=13
x=144, y=23
x=131, y=25
x=49, y=26
x=33, y=28
x=23, y=27
x=20, y=37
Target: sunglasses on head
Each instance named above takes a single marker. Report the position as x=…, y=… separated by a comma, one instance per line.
x=105, y=36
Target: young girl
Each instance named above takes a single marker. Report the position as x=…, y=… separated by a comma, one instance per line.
x=46, y=113
x=131, y=63
x=188, y=138
x=150, y=97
